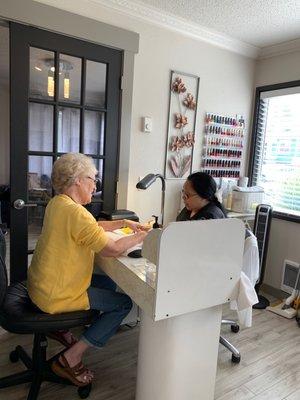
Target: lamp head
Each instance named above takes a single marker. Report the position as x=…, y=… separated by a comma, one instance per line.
x=146, y=181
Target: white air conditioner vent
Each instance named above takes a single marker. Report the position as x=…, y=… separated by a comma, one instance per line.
x=289, y=276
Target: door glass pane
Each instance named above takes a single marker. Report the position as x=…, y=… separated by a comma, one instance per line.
x=95, y=207
x=95, y=84
x=40, y=127
x=39, y=192
x=94, y=124
x=99, y=166
x=35, y=224
x=69, y=78
x=30, y=255
x=39, y=179
x=41, y=85
x=68, y=130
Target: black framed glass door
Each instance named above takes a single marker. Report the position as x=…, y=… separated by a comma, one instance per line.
x=65, y=97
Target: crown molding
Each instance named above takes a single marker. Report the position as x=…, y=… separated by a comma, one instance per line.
x=154, y=16
x=279, y=49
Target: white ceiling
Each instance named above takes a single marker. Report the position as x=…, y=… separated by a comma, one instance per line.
x=254, y=28
x=260, y=23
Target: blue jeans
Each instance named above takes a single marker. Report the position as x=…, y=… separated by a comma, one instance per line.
x=113, y=306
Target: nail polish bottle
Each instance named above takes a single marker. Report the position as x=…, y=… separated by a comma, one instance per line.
x=155, y=225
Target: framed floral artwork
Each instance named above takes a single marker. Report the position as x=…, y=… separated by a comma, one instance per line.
x=181, y=124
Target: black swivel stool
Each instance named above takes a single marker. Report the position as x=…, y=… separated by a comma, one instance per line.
x=19, y=315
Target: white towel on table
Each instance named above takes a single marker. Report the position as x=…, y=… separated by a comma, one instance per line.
x=243, y=304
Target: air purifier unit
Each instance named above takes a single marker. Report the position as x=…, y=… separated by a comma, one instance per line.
x=290, y=283
x=289, y=276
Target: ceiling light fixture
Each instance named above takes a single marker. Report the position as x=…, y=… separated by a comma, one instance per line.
x=67, y=85
x=64, y=68
x=50, y=86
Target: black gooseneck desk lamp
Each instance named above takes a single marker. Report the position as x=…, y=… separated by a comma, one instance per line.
x=147, y=181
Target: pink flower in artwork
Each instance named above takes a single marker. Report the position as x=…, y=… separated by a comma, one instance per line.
x=189, y=101
x=177, y=143
x=182, y=103
x=178, y=86
x=180, y=165
x=180, y=120
x=189, y=139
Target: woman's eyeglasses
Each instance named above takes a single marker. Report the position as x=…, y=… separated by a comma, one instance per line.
x=95, y=180
x=187, y=196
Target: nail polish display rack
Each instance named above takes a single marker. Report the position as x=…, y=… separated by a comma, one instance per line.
x=223, y=146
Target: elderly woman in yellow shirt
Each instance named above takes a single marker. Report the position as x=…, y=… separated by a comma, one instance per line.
x=60, y=275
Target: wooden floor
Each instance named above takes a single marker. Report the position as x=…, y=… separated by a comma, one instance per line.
x=269, y=370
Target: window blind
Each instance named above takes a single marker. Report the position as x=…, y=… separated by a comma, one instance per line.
x=276, y=158
x=259, y=140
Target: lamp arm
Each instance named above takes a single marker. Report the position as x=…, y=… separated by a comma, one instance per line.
x=163, y=192
x=163, y=183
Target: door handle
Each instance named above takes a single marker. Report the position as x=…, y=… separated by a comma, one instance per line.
x=19, y=204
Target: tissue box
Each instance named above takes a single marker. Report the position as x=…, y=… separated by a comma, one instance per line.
x=246, y=200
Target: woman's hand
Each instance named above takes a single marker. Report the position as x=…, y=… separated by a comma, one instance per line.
x=136, y=226
x=140, y=235
x=116, y=248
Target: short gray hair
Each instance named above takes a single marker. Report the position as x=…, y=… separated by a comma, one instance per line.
x=68, y=168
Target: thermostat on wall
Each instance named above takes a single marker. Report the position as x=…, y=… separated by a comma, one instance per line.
x=146, y=124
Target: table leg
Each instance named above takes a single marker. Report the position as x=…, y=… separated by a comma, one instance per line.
x=177, y=357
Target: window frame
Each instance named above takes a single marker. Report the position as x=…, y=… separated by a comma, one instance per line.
x=253, y=143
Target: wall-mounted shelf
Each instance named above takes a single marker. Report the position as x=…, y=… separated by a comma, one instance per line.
x=223, y=145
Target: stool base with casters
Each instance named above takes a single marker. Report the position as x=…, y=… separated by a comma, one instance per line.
x=236, y=355
x=38, y=370
x=20, y=316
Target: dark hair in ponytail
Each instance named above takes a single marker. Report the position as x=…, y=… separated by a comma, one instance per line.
x=206, y=187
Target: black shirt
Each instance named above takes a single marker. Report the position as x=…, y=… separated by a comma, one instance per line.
x=210, y=211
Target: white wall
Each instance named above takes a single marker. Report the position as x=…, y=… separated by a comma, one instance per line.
x=226, y=86
x=284, y=236
x=226, y=82
x=278, y=69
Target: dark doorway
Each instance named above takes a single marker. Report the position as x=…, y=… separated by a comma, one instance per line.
x=65, y=96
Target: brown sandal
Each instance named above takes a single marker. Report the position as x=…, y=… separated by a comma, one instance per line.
x=60, y=337
x=63, y=369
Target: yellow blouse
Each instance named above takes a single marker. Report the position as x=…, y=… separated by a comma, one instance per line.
x=62, y=265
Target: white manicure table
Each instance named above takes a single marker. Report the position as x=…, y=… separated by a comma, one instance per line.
x=188, y=271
